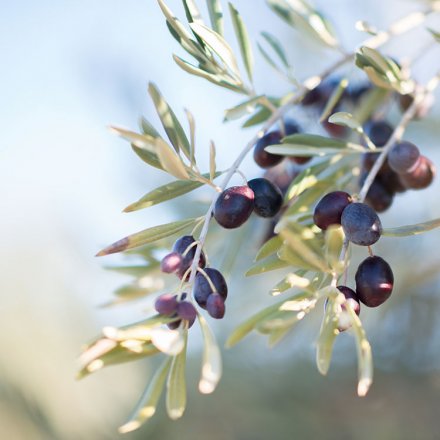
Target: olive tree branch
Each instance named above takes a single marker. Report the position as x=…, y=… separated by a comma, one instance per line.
x=399, y=27
x=419, y=96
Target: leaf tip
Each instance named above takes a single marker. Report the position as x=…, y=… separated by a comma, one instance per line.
x=118, y=246
x=363, y=387
x=129, y=427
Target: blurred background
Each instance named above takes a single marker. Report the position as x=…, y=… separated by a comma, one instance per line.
x=71, y=68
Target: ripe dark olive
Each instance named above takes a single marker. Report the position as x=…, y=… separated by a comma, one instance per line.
x=202, y=288
x=374, y=281
x=186, y=311
x=329, y=209
x=351, y=297
x=171, y=263
x=166, y=304
x=361, y=224
x=379, y=132
x=215, y=306
x=390, y=180
x=262, y=157
x=185, y=246
x=173, y=325
x=234, y=206
x=268, y=197
x=421, y=176
x=291, y=127
x=378, y=197
x=314, y=97
x=403, y=156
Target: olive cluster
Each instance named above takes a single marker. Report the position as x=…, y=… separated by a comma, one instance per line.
x=362, y=226
x=178, y=308
x=210, y=288
x=405, y=168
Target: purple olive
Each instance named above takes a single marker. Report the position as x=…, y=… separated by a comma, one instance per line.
x=234, y=206
x=379, y=132
x=374, y=281
x=421, y=176
x=361, y=224
x=262, y=157
x=202, y=289
x=268, y=197
x=329, y=209
x=166, y=304
x=171, y=263
x=215, y=306
x=185, y=246
x=378, y=197
x=187, y=312
x=403, y=157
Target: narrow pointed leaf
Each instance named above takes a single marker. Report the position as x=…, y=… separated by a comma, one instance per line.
x=139, y=140
x=242, y=109
x=148, y=129
x=290, y=281
x=192, y=131
x=215, y=79
x=365, y=359
x=346, y=120
x=218, y=45
x=169, y=121
x=334, y=240
x=327, y=336
x=148, y=157
x=266, y=265
x=184, y=36
x=334, y=99
x=192, y=12
x=303, y=250
x=406, y=231
x=212, y=165
x=166, y=192
x=146, y=407
x=215, y=15
x=212, y=362
x=149, y=235
x=246, y=327
x=262, y=115
x=243, y=40
x=277, y=47
x=176, y=386
x=170, y=161
x=270, y=247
